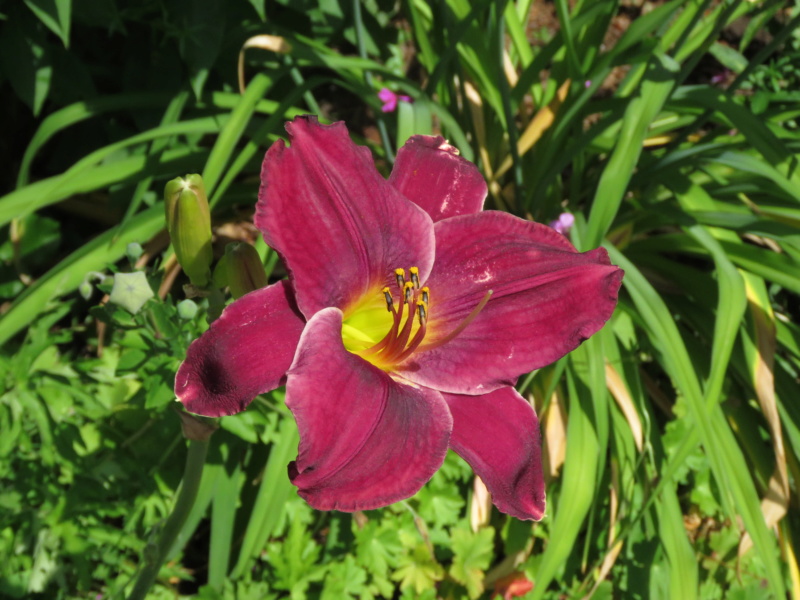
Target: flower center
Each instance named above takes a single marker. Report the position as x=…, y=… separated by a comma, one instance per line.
x=390, y=324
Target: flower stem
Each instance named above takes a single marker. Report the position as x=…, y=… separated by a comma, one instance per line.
x=156, y=551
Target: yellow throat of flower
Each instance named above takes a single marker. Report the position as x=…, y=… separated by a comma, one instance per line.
x=389, y=324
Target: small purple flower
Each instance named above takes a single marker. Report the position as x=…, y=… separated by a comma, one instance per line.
x=563, y=224
x=721, y=77
x=587, y=84
x=407, y=318
x=390, y=99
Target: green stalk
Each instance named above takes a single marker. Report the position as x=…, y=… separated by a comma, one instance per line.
x=155, y=552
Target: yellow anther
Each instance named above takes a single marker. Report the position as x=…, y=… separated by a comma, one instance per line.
x=400, y=276
x=414, y=276
x=425, y=294
x=408, y=291
x=387, y=294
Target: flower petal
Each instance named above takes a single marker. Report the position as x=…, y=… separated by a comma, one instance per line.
x=547, y=298
x=429, y=172
x=244, y=353
x=341, y=228
x=365, y=440
x=498, y=435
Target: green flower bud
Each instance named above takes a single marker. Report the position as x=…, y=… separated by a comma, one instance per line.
x=85, y=290
x=189, y=226
x=240, y=269
x=134, y=250
x=187, y=310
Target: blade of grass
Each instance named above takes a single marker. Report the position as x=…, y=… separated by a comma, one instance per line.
x=157, y=147
x=273, y=493
x=75, y=113
x=617, y=173
x=579, y=479
x=232, y=131
x=683, y=568
x=223, y=514
x=85, y=178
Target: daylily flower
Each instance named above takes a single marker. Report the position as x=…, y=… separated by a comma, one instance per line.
x=390, y=99
x=408, y=316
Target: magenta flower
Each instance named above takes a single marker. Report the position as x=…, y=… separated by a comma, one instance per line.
x=390, y=99
x=408, y=315
x=564, y=223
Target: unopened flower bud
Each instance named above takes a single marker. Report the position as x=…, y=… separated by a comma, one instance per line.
x=187, y=310
x=240, y=269
x=189, y=226
x=134, y=250
x=85, y=290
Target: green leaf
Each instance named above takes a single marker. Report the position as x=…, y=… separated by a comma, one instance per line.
x=378, y=547
x=728, y=57
x=640, y=113
x=201, y=23
x=25, y=59
x=55, y=14
x=273, y=493
x=417, y=570
x=344, y=580
x=472, y=555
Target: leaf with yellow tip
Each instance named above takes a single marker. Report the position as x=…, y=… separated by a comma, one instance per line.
x=554, y=427
x=480, y=508
x=476, y=110
x=761, y=359
x=787, y=549
x=536, y=128
x=620, y=393
x=605, y=567
x=273, y=43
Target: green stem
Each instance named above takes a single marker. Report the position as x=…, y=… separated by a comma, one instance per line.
x=155, y=552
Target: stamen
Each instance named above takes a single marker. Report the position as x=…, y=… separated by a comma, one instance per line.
x=387, y=294
x=418, y=337
x=461, y=327
x=415, y=276
x=398, y=343
x=408, y=291
x=422, y=309
x=402, y=339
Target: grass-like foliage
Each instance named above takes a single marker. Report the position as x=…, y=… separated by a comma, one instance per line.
x=669, y=129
